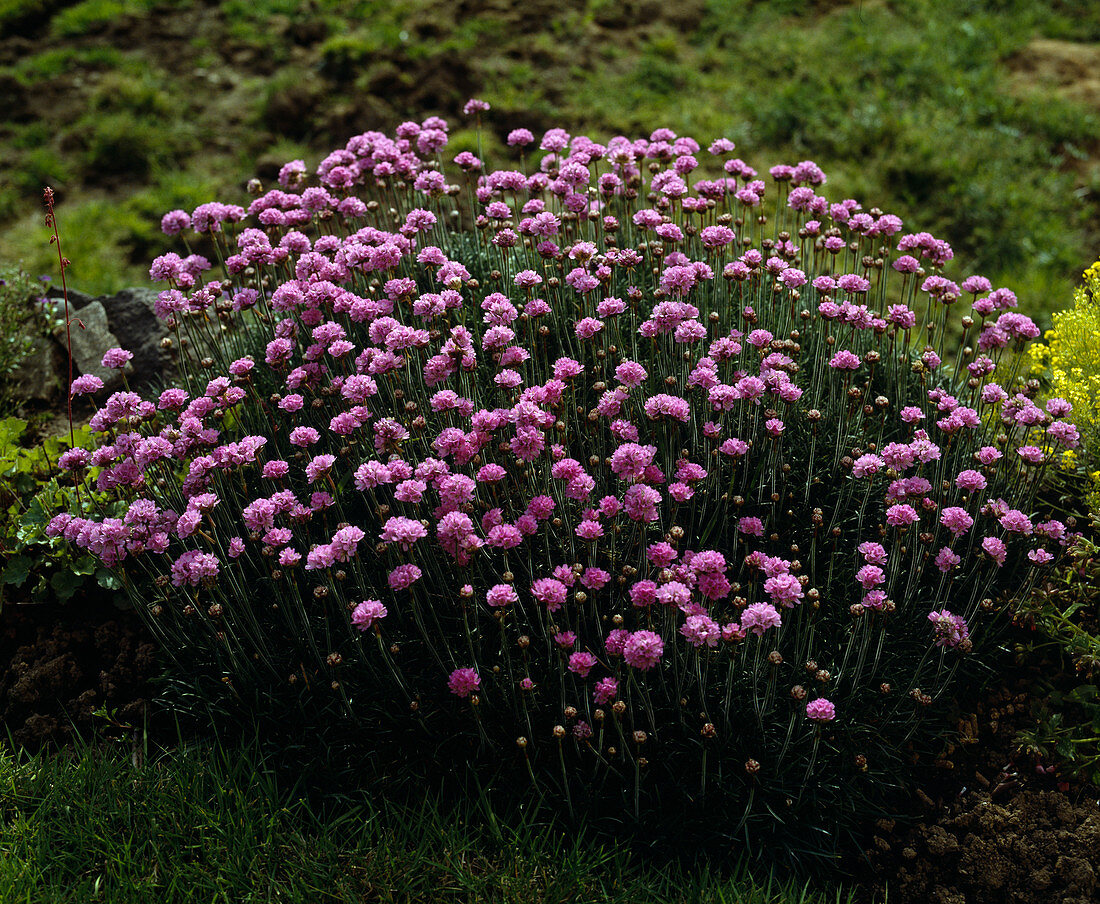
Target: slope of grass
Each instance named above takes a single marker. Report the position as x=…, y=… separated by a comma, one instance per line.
x=909, y=107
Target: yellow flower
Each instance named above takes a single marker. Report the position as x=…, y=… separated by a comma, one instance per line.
x=1070, y=359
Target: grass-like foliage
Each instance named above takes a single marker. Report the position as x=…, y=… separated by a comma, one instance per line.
x=202, y=825
x=663, y=490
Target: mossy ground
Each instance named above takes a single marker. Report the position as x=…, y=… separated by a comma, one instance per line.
x=974, y=121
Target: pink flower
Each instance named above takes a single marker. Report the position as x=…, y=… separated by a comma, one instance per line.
x=565, y=639
x=319, y=467
x=820, y=710
x=630, y=374
x=640, y=503
x=674, y=593
x=304, y=436
x=785, y=589
x=630, y=460
x=663, y=405
x=367, y=613
x=995, y=549
x=970, y=481
x=116, y=358
x=844, y=360
x=758, y=617
x=681, y=492
x=874, y=599
x=581, y=663
x=588, y=327
x=500, y=595
x=550, y=592
x=1053, y=530
x=605, y=691
x=403, y=531
x=643, y=650
x=901, y=515
x=1016, y=521
x=615, y=642
x=873, y=553
x=870, y=576
x=950, y=631
x=88, y=383
x=987, y=455
x=867, y=465
x=404, y=576
x=504, y=536
x=701, y=630
x=589, y=530
x=464, y=682
x=643, y=594
x=956, y=520
x=751, y=525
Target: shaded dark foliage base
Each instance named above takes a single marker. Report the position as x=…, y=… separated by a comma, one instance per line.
x=982, y=827
x=64, y=664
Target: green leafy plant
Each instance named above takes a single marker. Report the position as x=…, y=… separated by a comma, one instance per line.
x=24, y=318
x=39, y=568
x=1064, y=613
x=1069, y=364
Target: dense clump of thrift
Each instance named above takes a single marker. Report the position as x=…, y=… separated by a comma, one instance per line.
x=668, y=477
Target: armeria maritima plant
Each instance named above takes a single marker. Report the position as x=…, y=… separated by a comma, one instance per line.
x=660, y=487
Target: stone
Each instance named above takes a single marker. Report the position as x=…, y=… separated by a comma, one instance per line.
x=39, y=377
x=90, y=342
x=132, y=318
x=132, y=322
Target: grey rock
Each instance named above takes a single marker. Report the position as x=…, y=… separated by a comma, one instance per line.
x=132, y=318
x=91, y=337
x=38, y=378
x=132, y=321
x=77, y=300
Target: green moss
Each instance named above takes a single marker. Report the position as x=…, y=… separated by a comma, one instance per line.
x=84, y=17
x=144, y=95
x=39, y=167
x=57, y=61
x=344, y=56
x=124, y=144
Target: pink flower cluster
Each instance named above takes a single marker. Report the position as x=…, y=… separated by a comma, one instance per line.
x=650, y=434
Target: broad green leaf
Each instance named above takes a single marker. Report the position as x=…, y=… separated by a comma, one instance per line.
x=85, y=565
x=11, y=428
x=17, y=571
x=65, y=584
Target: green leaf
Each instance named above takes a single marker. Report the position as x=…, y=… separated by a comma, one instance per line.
x=65, y=584
x=17, y=571
x=1072, y=610
x=11, y=428
x=1082, y=693
x=107, y=579
x=85, y=565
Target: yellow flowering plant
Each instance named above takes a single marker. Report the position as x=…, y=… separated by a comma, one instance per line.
x=1070, y=361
